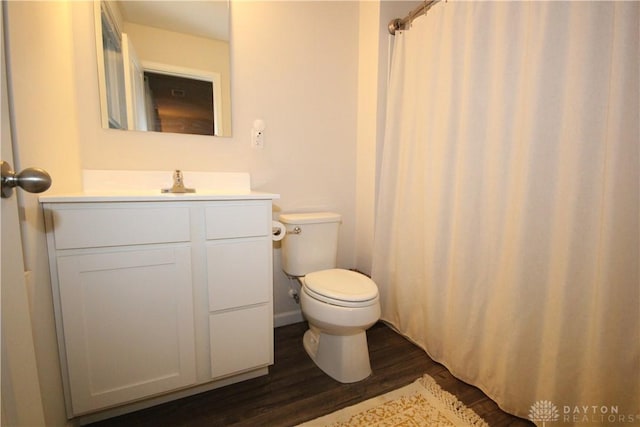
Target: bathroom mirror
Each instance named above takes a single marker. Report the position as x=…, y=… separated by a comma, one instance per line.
x=164, y=66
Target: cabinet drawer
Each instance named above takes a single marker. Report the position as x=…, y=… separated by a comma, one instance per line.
x=119, y=226
x=241, y=340
x=239, y=272
x=230, y=220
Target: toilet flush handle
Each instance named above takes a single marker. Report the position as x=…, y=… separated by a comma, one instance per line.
x=296, y=230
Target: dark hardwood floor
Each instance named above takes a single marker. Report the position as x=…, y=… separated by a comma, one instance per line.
x=296, y=390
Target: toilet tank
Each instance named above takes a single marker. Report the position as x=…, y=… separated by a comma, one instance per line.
x=314, y=247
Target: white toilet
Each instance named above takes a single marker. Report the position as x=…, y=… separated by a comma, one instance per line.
x=340, y=305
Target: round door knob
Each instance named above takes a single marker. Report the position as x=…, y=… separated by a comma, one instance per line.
x=33, y=180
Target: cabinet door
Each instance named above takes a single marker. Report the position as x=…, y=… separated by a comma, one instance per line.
x=128, y=324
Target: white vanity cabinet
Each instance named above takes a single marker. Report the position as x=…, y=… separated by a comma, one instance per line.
x=154, y=297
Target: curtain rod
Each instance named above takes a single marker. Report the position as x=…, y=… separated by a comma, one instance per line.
x=401, y=23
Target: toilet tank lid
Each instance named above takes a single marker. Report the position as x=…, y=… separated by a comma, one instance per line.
x=309, y=217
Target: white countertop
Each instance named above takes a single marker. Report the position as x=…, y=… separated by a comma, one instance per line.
x=154, y=196
x=144, y=186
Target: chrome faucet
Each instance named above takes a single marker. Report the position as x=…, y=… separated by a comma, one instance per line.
x=178, y=184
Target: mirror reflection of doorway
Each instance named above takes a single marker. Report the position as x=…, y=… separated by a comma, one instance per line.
x=136, y=36
x=179, y=104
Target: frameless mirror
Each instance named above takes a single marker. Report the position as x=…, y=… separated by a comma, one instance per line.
x=164, y=66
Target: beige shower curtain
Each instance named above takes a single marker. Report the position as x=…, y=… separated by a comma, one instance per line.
x=507, y=237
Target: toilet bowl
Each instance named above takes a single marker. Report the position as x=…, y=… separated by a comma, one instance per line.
x=336, y=340
x=339, y=305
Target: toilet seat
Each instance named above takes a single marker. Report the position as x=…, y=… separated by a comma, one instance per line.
x=341, y=287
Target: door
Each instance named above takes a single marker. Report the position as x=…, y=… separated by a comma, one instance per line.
x=21, y=401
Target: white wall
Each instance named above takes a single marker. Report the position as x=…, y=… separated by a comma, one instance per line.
x=294, y=64
x=368, y=75
x=374, y=60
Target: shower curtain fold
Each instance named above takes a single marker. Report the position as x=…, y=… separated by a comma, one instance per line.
x=507, y=226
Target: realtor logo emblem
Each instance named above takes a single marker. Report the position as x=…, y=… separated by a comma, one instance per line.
x=543, y=410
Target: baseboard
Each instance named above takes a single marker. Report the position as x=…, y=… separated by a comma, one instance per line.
x=287, y=318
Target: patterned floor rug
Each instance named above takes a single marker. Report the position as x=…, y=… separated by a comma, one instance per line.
x=421, y=403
